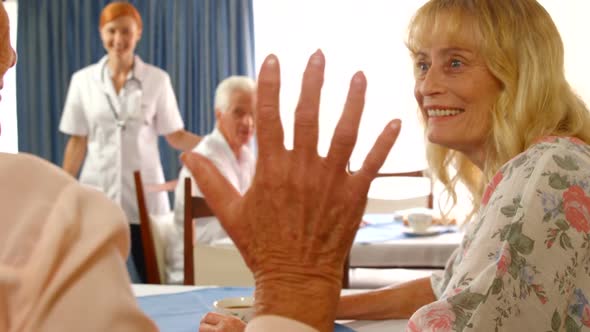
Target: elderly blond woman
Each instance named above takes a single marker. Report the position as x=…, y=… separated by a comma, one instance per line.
x=496, y=106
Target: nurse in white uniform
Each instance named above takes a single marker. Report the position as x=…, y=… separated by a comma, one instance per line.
x=114, y=112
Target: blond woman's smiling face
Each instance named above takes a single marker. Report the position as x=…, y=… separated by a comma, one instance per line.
x=456, y=93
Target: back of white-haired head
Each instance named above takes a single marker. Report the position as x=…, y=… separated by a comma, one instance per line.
x=230, y=85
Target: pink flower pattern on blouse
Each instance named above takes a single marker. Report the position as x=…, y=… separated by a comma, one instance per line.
x=491, y=188
x=524, y=264
x=586, y=316
x=504, y=262
x=440, y=317
x=577, y=208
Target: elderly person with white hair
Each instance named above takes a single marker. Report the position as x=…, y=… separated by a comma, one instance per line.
x=62, y=246
x=227, y=146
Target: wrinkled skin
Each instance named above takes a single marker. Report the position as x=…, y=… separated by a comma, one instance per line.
x=295, y=225
x=215, y=322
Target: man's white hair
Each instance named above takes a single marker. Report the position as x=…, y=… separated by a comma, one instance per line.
x=230, y=85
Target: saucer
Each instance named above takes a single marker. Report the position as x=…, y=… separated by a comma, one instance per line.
x=428, y=232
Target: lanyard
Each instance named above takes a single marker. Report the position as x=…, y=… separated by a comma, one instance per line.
x=121, y=123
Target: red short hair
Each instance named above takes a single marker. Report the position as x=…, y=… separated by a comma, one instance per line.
x=114, y=10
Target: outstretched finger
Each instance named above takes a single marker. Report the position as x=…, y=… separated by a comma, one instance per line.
x=268, y=119
x=376, y=157
x=306, y=113
x=218, y=191
x=212, y=318
x=206, y=327
x=346, y=131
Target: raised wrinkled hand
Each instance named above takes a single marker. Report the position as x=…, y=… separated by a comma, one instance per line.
x=295, y=225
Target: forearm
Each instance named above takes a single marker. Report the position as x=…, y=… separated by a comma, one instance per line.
x=396, y=302
x=74, y=154
x=183, y=140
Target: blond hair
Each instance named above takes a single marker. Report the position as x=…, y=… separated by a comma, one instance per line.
x=522, y=48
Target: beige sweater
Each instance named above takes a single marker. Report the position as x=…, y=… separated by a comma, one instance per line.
x=62, y=254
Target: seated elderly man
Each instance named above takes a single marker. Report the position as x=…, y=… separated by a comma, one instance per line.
x=227, y=146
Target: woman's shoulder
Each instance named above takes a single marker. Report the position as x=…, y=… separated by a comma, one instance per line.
x=562, y=151
x=31, y=176
x=557, y=158
x=24, y=166
x=145, y=69
x=560, y=141
x=154, y=70
x=86, y=71
x=39, y=184
x=555, y=150
x=83, y=76
x=36, y=178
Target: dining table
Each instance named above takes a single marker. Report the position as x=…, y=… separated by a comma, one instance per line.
x=385, y=241
x=176, y=308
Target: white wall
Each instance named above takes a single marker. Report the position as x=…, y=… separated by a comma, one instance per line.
x=354, y=35
x=8, y=137
x=571, y=18
x=368, y=35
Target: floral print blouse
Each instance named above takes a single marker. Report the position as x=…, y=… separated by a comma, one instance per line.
x=524, y=264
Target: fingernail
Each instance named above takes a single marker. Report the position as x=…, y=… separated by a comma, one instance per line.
x=358, y=80
x=271, y=60
x=395, y=124
x=317, y=58
x=358, y=77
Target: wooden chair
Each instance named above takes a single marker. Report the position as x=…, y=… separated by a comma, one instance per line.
x=150, y=237
x=414, y=174
x=219, y=264
x=409, y=174
x=194, y=207
x=413, y=177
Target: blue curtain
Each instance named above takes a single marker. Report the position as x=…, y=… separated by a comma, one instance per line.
x=198, y=42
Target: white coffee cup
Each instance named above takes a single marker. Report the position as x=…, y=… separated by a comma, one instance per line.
x=419, y=222
x=240, y=307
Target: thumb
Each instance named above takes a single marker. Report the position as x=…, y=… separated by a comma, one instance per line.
x=216, y=189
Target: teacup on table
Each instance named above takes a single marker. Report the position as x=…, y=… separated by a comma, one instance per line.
x=240, y=307
x=419, y=222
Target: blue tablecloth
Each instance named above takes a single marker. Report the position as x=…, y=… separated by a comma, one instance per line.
x=182, y=312
x=386, y=227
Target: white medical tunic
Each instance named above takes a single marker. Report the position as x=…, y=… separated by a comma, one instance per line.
x=122, y=130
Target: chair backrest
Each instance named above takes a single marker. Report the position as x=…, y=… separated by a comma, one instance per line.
x=418, y=187
x=194, y=207
x=219, y=263
x=415, y=174
x=373, y=205
x=149, y=236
